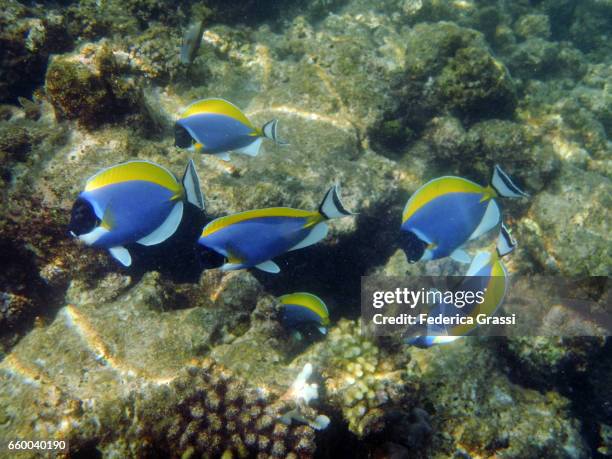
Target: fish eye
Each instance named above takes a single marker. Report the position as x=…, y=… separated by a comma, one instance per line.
x=412, y=246
x=182, y=138
x=83, y=219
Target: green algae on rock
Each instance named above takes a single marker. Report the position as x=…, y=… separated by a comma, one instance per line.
x=572, y=222
x=88, y=87
x=449, y=68
x=27, y=38
x=512, y=422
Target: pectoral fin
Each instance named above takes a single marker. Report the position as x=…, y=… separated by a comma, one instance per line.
x=230, y=267
x=461, y=256
x=121, y=255
x=269, y=267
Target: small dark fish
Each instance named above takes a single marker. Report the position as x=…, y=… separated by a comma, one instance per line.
x=191, y=42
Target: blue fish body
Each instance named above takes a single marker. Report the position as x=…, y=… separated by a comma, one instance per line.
x=447, y=221
x=218, y=133
x=428, y=341
x=133, y=202
x=295, y=315
x=216, y=126
x=253, y=238
x=447, y=212
x=486, y=275
x=300, y=310
x=250, y=242
x=137, y=209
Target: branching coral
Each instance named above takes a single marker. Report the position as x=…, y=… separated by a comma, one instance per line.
x=360, y=378
x=219, y=414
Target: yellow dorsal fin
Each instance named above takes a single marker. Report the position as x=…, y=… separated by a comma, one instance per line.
x=219, y=107
x=271, y=212
x=436, y=188
x=308, y=301
x=135, y=170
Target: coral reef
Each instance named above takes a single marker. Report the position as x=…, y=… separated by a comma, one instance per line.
x=143, y=397
x=512, y=421
x=447, y=68
x=87, y=87
x=166, y=360
x=27, y=39
x=218, y=414
x=579, y=197
x=544, y=357
x=361, y=379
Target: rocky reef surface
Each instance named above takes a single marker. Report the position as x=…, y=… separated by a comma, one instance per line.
x=380, y=97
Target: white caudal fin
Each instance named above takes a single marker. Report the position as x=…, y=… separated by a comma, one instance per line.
x=489, y=221
x=269, y=267
x=481, y=260
x=121, y=255
x=503, y=184
x=270, y=131
x=505, y=242
x=316, y=234
x=251, y=149
x=331, y=206
x=167, y=228
x=191, y=183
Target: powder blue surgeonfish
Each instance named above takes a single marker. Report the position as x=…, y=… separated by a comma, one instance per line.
x=216, y=126
x=302, y=308
x=254, y=237
x=137, y=201
x=447, y=212
x=486, y=274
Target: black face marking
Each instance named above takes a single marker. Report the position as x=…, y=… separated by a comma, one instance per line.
x=182, y=139
x=83, y=218
x=412, y=246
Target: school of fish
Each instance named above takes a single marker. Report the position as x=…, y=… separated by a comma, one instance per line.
x=140, y=202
